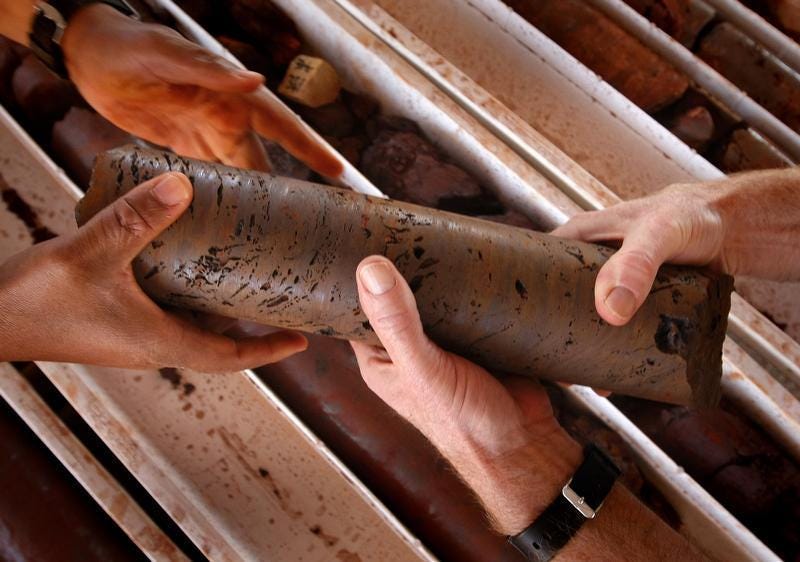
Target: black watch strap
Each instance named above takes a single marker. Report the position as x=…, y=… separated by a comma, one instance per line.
x=579, y=500
x=50, y=20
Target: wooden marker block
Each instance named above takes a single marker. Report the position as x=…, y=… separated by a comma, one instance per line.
x=310, y=81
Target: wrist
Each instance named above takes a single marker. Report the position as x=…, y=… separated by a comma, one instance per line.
x=83, y=23
x=760, y=223
x=516, y=484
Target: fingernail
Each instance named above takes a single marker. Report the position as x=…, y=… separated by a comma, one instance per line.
x=622, y=302
x=377, y=278
x=170, y=190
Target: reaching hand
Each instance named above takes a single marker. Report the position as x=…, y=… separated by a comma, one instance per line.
x=75, y=299
x=492, y=432
x=502, y=438
x=747, y=224
x=150, y=81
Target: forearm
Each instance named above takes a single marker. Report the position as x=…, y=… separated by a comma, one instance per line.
x=16, y=17
x=626, y=529
x=516, y=488
x=760, y=213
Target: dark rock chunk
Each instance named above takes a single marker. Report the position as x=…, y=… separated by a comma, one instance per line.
x=405, y=166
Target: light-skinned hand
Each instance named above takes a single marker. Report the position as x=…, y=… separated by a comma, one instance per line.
x=500, y=436
x=747, y=224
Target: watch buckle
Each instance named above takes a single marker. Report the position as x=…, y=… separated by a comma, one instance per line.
x=51, y=13
x=578, y=502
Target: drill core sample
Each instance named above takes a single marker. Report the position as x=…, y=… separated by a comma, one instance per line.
x=284, y=252
x=755, y=70
x=682, y=19
x=80, y=136
x=623, y=61
x=42, y=95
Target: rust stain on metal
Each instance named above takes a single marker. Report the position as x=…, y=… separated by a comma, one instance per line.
x=234, y=444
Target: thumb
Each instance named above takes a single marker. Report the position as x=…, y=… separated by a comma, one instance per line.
x=625, y=280
x=391, y=309
x=122, y=230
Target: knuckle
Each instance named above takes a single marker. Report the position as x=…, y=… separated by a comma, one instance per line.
x=376, y=372
x=399, y=324
x=640, y=261
x=728, y=262
x=662, y=224
x=128, y=219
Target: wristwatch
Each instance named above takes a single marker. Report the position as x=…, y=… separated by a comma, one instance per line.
x=50, y=20
x=580, y=499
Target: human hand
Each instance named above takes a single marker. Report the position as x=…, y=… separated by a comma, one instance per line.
x=75, y=299
x=150, y=81
x=501, y=437
x=746, y=224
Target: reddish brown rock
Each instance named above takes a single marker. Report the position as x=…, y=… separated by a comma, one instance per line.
x=349, y=147
x=268, y=28
x=80, y=137
x=360, y=105
x=42, y=96
x=45, y=514
x=586, y=429
x=331, y=120
x=513, y=218
x=380, y=123
x=205, y=12
x=755, y=70
x=747, y=150
x=618, y=57
x=735, y=461
x=702, y=123
x=683, y=20
x=787, y=12
x=694, y=126
x=407, y=167
x=784, y=14
x=10, y=59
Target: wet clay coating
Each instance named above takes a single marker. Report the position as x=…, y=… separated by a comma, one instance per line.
x=284, y=252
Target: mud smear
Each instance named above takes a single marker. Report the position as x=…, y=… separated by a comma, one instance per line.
x=24, y=212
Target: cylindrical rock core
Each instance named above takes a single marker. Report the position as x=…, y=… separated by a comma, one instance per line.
x=284, y=252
